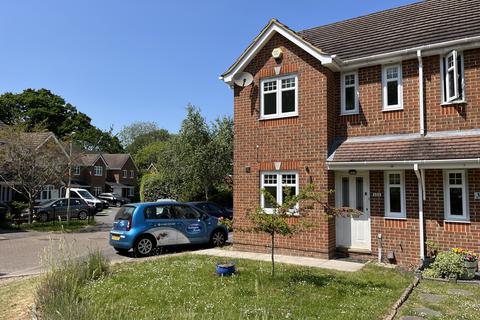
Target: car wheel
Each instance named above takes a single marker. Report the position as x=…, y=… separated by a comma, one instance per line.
x=43, y=217
x=121, y=250
x=82, y=215
x=143, y=247
x=218, y=238
x=118, y=204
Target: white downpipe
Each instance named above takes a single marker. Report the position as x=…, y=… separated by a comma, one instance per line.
x=421, y=196
x=420, y=92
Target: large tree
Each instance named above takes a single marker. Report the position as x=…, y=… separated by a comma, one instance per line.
x=32, y=108
x=130, y=132
x=30, y=160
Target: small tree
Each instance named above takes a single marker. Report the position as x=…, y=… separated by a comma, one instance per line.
x=29, y=161
x=277, y=219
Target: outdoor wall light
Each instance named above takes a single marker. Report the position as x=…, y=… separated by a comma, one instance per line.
x=352, y=172
x=247, y=169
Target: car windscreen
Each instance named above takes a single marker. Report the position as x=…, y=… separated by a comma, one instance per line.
x=125, y=213
x=47, y=202
x=85, y=194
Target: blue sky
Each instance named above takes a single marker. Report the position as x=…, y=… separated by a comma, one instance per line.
x=121, y=61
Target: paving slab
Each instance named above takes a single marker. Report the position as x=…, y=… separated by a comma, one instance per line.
x=432, y=298
x=427, y=312
x=460, y=292
x=338, y=265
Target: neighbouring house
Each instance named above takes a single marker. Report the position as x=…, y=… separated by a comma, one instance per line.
x=122, y=174
x=385, y=110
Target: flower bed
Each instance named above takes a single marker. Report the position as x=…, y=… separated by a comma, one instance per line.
x=455, y=264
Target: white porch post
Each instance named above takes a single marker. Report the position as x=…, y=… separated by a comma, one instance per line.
x=421, y=196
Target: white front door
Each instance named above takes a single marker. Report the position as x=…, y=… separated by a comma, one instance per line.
x=353, y=191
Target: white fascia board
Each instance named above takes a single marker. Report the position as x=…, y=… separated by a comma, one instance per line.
x=274, y=27
x=407, y=164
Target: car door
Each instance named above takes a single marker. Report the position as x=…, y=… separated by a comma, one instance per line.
x=192, y=225
x=161, y=224
x=59, y=209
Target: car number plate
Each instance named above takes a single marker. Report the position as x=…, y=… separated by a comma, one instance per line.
x=114, y=237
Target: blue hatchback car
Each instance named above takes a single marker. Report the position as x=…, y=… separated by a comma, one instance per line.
x=145, y=226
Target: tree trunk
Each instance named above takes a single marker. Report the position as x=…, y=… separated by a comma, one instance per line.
x=206, y=193
x=273, y=254
x=31, y=204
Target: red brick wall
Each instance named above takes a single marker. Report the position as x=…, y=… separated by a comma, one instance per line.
x=297, y=142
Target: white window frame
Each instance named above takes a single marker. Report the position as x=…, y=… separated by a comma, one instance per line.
x=387, y=186
x=97, y=191
x=279, y=186
x=98, y=171
x=278, y=91
x=132, y=174
x=344, y=111
x=131, y=192
x=446, y=192
x=456, y=97
x=125, y=173
x=76, y=171
x=48, y=188
x=385, y=81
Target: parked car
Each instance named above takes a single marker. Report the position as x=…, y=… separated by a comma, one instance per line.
x=213, y=209
x=52, y=209
x=105, y=203
x=145, y=226
x=77, y=193
x=114, y=199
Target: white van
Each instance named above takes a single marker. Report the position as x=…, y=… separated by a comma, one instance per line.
x=92, y=202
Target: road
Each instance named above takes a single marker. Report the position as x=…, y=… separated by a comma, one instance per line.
x=27, y=253
x=23, y=253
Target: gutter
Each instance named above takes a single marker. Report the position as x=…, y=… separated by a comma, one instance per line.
x=421, y=197
x=425, y=163
x=420, y=93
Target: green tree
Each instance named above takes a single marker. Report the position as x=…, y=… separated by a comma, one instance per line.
x=32, y=108
x=143, y=140
x=129, y=133
x=277, y=220
x=151, y=153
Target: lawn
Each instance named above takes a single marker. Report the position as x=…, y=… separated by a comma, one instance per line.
x=449, y=301
x=16, y=297
x=185, y=287
x=51, y=226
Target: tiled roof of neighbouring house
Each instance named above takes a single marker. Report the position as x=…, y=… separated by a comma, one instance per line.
x=115, y=160
x=410, y=26
x=407, y=148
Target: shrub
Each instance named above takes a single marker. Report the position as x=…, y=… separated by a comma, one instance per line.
x=58, y=294
x=446, y=264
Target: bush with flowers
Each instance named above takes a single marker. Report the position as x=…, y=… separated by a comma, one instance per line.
x=457, y=263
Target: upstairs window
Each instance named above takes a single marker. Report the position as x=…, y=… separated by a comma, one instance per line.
x=455, y=195
x=132, y=174
x=392, y=87
x=279, y=97
x=98, y=170
x=452, y=77
x=349, y=93
x=125, y=173
x=76, y=170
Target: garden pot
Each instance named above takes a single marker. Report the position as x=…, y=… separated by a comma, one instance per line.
x=470, y=268
x=225, y=269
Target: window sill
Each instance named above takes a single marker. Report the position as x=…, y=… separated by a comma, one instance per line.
x=457, y=221
x=395, y=218
x=392, y=109
x=446, y=104
x=349, y=113
x=278, y=117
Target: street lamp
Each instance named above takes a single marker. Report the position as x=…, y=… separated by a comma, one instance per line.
x=69, y=177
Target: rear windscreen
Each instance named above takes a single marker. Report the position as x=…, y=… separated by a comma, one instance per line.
x=124, y=213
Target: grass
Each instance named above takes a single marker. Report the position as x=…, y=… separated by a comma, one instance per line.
x=16, y=298
x=185, y=287
x=451, y=306
x=51, y=226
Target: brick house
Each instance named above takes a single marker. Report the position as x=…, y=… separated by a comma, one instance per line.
x=385, y=110
x=105, y=172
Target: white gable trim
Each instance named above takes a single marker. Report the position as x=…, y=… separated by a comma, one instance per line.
x=265, y=35
x=52, y=136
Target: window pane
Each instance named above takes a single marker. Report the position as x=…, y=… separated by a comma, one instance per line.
x=395, y=202
x=288, y=83
x=392, y=93
x=451, y=83
x=270, y=85
x=273, y=192
x=288, y=101
x=288, y=192
x=392, y=73
x=345, y=192
x=270, y=179
x=455, y=178
x=394, y=178
x=270, y=103
x=359, y=191
x=350, y=98
x=289, y=179
x=349, y=79
x=456, y=202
